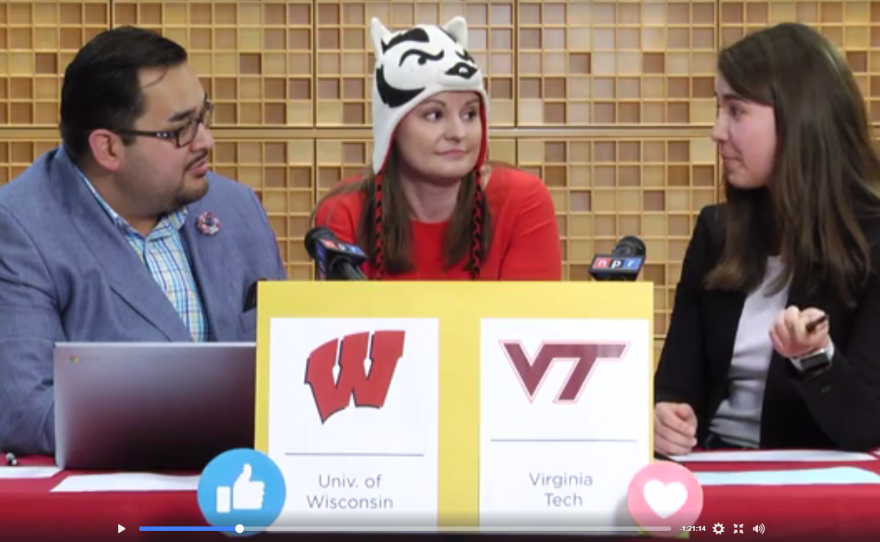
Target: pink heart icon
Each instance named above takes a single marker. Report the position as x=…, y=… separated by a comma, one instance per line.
x=665, y=494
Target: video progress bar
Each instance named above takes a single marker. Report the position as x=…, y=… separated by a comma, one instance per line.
x=458, y=530
x=238, y=529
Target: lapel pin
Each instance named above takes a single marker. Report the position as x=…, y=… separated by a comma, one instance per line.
x=208, y=224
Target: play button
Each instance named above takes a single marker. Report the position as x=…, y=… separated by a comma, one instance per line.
x=121, y=528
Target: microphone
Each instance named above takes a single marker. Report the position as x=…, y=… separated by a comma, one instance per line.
x=334, y=259
x=624, y=262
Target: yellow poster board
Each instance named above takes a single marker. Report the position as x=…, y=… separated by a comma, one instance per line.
x=461, y=310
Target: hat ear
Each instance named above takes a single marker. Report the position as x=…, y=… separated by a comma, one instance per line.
x=458, y=29
x=378, y=33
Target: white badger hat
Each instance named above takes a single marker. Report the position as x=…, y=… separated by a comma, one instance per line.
x=414, y=64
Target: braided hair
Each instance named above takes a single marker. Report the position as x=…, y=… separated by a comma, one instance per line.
x=476, y=253
x=378, y=259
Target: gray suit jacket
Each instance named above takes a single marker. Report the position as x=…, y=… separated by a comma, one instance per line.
x=68, y=274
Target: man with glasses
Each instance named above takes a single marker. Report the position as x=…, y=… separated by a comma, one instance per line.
x=122, y=233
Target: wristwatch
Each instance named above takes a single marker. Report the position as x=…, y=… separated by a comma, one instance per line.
x=814, y=363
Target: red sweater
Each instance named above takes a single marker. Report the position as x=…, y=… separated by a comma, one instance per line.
x=525, y=243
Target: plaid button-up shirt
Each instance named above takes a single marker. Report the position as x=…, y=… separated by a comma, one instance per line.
x=164, y=254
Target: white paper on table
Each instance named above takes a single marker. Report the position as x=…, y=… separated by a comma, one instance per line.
x=18, y=472
x=550, y=459
x=126, y=481
x=798, y=477
x=746, y=456
x=386, y=456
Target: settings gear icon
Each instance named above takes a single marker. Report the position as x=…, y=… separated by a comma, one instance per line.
x=718, y=528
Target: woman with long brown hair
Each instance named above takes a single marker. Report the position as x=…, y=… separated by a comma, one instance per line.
x=774, y=340
x=431, y=208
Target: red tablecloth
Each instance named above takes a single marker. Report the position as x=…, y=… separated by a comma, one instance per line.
x=29, y=511
x=809, y=513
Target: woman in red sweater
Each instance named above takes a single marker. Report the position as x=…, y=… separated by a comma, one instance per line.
x=432, y=208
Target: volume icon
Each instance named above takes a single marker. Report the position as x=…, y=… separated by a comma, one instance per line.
x=759, y=528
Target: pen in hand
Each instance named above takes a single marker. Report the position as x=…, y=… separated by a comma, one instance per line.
x=813, y=324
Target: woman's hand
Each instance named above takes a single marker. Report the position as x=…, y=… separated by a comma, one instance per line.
x=675, y=428
x=790, y=336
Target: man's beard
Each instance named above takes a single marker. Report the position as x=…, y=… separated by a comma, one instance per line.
x=192, y=195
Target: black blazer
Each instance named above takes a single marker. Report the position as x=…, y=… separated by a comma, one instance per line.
x=838, y=409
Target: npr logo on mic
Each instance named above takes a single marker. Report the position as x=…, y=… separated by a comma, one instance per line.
x=583, y=356
x=603, y=262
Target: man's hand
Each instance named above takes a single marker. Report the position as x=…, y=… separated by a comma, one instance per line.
x=675, y=428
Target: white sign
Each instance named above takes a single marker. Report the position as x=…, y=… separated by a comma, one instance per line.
x=353, y=420
x=565, y=421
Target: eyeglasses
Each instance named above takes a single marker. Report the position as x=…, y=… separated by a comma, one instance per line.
x=184, y=135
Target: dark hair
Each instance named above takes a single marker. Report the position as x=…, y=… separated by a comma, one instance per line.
x=826, y=174
x=102, y=87
x=384, y=229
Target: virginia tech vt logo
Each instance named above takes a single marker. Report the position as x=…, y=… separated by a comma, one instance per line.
x=368, y=388
x=531, y=372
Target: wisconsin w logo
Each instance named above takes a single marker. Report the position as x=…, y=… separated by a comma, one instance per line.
x=531, y=373
x=332, y=394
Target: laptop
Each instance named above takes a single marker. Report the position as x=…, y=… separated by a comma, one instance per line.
x=152, y=406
